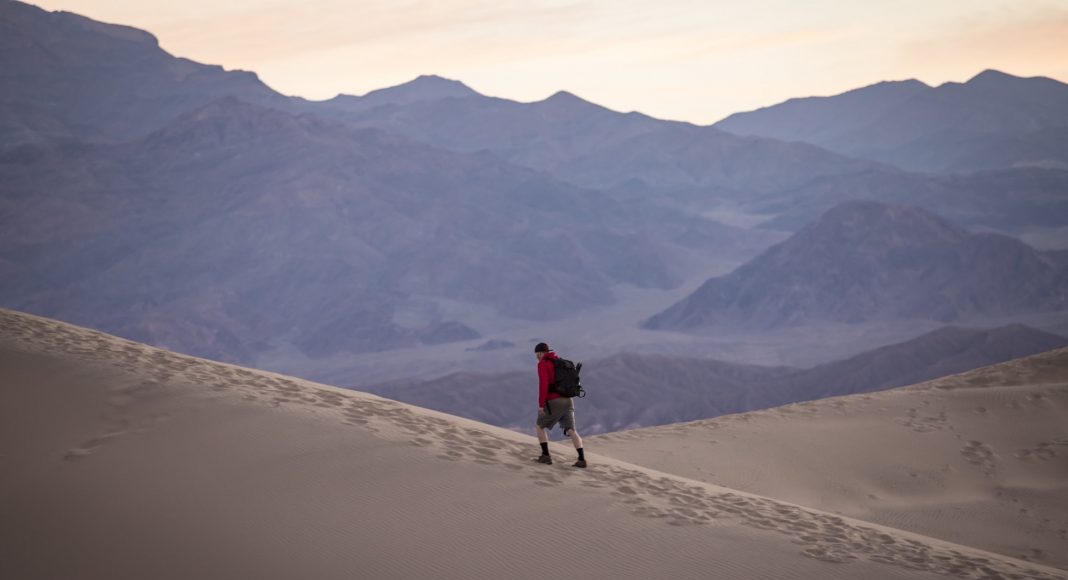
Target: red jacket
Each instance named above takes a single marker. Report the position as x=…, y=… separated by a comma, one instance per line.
x=546, y=376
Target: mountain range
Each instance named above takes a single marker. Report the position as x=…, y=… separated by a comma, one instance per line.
x=190, y=230
x=993, y=121
x=631, y=156
x=136, y=88
x=196, y=208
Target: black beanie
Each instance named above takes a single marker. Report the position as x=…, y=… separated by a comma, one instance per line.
x=542, y=347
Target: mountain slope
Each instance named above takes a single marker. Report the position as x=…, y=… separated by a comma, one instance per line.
x=977, y=457
x=992, y=121
x=144, y=463
x=863, y=261
x=820, y=119
x=67, y=76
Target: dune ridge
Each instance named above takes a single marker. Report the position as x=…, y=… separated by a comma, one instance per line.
x=979, y=458
x=708, y=520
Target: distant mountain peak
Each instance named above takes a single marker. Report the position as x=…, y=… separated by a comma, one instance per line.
x=563, y=95
x=906, y=84
x=421, y=88
x=864, y=261
x=438, y=83
x=568, y=101
x=989, y=76
x=437, y=80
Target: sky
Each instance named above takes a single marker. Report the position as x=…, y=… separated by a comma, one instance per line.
x=689, y=60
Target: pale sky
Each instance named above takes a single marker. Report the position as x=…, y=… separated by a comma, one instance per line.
x=689, y=60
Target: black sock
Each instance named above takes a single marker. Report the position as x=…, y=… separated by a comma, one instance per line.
x=581, y=456
x=545, y=448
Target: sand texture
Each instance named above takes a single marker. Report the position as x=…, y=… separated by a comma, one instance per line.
x=979, y=458
x=120, y=460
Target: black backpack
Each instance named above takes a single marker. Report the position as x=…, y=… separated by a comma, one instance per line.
x=566, y=378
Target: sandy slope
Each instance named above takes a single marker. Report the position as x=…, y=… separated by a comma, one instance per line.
x=124, y=461
x=979, y=458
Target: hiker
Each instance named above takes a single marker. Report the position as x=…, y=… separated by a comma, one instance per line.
x=553, y=407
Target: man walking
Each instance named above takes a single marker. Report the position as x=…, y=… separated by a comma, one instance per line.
x=553, y=407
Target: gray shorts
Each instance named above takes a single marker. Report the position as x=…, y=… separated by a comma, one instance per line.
x=562, y=410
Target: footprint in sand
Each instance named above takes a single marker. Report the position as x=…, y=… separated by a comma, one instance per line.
x=545, y=478
x=1045, y=451
x=980, y=454
x=923, y=423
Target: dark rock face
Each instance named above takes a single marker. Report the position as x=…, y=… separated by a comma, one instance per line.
x=864, y=261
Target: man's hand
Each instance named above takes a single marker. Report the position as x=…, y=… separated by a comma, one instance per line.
x=541, y=411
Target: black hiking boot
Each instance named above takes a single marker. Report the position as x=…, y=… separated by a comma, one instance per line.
x=580, y=463
x=545, y=458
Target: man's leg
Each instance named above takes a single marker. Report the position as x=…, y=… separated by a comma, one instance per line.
x=576, y=439
x=569, y=429
x=578, y=447
x=543, y=440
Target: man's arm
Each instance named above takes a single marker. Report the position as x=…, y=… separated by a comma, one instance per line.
x=543, y=384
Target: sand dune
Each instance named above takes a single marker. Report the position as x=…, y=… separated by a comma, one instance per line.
x=124, y=461
x=979, y=458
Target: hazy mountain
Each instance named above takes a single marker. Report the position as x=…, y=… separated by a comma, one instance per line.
x=236, y=223
x=1018, y=200
x=635, y=390
x=863, y=262
x=594, y=146
x=822, y=119
x=992, y=121
x=65, y=75
x=633, y=156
